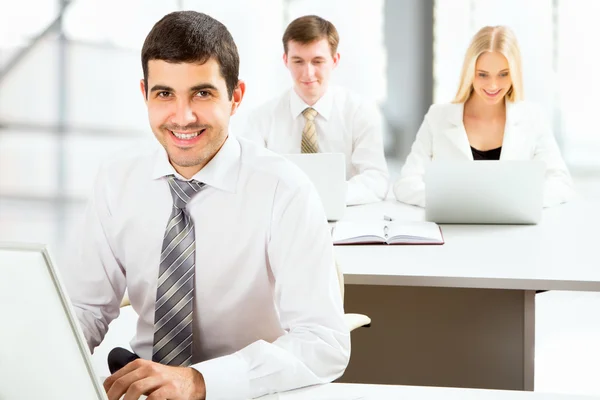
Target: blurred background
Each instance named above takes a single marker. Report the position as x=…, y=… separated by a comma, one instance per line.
x=69, y=98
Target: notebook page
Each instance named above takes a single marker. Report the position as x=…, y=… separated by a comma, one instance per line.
x=358, y=231
x=415, y=230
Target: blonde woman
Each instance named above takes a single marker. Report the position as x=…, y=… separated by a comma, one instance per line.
x=488, y=120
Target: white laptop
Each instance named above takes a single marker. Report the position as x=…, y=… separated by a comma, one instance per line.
x=484, y=192
x=43, y=354
x=327, y=171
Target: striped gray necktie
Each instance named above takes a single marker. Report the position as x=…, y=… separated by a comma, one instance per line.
x=175, y=289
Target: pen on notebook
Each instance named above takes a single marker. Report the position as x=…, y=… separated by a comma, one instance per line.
x=387, y=218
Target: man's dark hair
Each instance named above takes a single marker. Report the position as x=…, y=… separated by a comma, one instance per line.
x=192, y=37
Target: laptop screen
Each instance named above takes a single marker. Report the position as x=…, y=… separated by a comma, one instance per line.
x=327, y=172
x=42, y=351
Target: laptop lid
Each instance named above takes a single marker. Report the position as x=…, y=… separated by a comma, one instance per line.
x=43, y=353
x=327, y=171
x=484, y=192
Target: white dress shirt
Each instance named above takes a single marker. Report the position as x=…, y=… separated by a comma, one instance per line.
x=442, y=136
x=268, y=313
x=344, y=124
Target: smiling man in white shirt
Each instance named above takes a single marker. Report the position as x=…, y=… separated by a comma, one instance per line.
x=315, y=116
x=222, y=245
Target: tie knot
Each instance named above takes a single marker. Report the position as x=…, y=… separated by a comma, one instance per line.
x=309, y=113
x=183, y=191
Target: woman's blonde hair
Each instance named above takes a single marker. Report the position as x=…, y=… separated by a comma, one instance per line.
x=492, y=38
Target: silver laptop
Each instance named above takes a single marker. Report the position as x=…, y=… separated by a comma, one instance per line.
x=327, y=171
x=484, y=192
x=43, y=354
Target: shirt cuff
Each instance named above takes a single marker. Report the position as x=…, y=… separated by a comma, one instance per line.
x=225, y=378
x=358, y=194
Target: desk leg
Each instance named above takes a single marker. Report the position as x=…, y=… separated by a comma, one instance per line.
x=529, y=340
x=459, y=337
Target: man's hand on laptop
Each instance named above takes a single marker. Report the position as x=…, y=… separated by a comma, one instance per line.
x=157, y=381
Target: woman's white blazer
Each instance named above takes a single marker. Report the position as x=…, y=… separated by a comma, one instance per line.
x=442, y=136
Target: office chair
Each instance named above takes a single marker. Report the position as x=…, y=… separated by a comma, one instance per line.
x=353, y=321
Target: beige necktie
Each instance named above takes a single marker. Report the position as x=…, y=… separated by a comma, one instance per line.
x=309, y=133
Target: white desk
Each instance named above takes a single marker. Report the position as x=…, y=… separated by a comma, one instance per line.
x=462, y=314
x=385, y=392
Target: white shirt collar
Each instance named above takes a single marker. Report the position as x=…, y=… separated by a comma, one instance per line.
x=323, y=106
x=221, y=172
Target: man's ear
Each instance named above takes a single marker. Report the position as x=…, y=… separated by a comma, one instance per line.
x=285, y=59
x=143, y=90
x=336, y=59
x=237, y=96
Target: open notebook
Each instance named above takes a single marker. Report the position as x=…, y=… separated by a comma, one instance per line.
x=387, y=232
